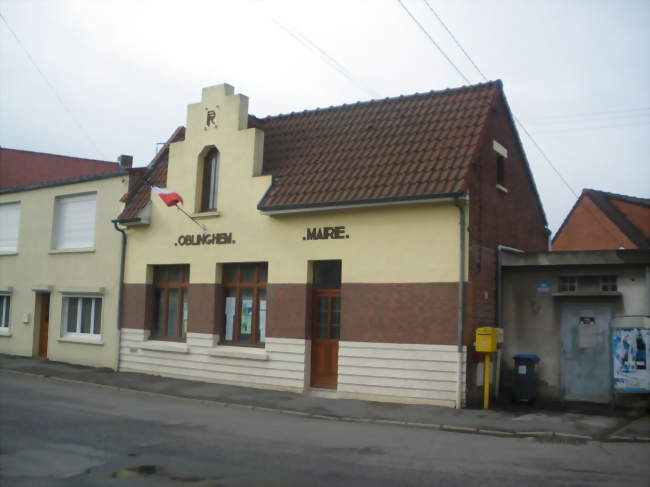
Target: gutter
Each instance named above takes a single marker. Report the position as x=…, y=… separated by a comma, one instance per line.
x=354, y=204
x=461, y=301
x=499, y=311
x=120, y=294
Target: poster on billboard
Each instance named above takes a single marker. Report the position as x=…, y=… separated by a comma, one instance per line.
x=630, y=353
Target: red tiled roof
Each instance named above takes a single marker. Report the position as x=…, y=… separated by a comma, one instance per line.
x=20, y=168
x=156, y=174
x=410, y=147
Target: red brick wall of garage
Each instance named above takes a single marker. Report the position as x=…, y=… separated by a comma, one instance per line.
x=589, y=229
x=288, y=310
x=400, y=313
x=513, y=219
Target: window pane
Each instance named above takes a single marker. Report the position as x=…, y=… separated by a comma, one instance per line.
x=4, y=311
x=86, y=311
x=248, y=273
x=229, y=273
x=323, y=315
x=71, y=322
x=160, y=274
x=327, y=274
x=98, y=316
x=263, y=270
x=158, y=326
x=246, y=319
x=185, y=312
x=262, y=294
x=172, y=313
x=336, y=317
x=174, y=274
x=231, y=304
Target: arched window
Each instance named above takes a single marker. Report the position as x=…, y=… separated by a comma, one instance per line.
x=210, y=180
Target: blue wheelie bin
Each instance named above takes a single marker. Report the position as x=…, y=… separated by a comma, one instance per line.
x=525, y=380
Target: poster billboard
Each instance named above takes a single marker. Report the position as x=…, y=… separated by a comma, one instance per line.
x=630, y=353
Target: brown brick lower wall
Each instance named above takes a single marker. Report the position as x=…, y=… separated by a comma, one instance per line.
x=400, y=313
x=392, y=313
x=288, y=313
x=206, y=302
x=137, y=302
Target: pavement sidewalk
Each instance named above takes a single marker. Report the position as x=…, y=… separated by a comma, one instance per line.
x=522, y=420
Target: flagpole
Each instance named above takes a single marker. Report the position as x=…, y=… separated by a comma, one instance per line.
x=203, y=227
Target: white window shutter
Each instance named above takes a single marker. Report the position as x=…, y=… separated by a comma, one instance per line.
x=9, y=224
x=74, y=222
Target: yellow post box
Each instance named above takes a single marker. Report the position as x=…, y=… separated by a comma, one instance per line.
x=486, y=339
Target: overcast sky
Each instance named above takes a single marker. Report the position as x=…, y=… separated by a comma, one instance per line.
x=118, y=75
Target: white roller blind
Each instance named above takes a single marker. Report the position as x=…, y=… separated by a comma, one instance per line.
x=74, y=222
x=9, y=223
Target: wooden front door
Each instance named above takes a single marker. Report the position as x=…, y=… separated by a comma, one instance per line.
x=43, y=307
x=325, y=333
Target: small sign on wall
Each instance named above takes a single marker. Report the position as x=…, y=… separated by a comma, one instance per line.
x=543, y=287
x=326, y=233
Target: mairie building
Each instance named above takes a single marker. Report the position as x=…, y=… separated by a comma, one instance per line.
x=350, y=249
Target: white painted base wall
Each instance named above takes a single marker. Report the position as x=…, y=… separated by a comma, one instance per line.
x=390, y=372
x=280, y=365
x=396, y=372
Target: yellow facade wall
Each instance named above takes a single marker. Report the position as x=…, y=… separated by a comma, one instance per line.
x=396, y=244
x=36, y=266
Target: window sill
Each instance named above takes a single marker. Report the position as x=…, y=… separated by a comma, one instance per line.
x=165, y=346
x=83, y=341
x=206, y=214
x=502, y=188
x=248, y=353
x=587, y=294
x=9, y=252
x=5, y=332
x=71, y=251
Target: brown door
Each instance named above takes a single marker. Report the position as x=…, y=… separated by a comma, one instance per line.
x=43, y=307
x=325, y=333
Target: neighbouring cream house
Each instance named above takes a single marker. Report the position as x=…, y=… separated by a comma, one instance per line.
x=351, y=249
x=60, y=256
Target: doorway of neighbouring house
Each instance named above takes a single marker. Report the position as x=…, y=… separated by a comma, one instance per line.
x=325, y=323
x=586, y=370
x=42, y=321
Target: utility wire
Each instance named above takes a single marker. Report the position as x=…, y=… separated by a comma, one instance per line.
x=517, y=121
x=47, y=81
x=302, y=39
x=455, y=40
x=434, y=42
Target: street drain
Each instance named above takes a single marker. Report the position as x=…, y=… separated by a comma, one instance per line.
x=147, y=470
x=139, y=471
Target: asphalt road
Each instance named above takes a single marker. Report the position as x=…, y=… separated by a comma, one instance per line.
x=56, y=433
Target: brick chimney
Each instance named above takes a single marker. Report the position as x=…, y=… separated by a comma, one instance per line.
x=125, y=162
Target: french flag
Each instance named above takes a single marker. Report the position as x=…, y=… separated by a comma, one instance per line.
x=169, y=198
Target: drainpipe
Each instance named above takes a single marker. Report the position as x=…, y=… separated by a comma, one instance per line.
x=461, y=301
x=120, y=293
x=499, y=320
x=647, y=289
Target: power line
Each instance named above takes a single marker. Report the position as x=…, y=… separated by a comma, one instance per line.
x=47, y=81
x=302, y=39
x=456, y=41
x=514, y=117
x=434, y=42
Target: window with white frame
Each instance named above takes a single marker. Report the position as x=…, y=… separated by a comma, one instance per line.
x=74, y=221
x=9, y=223
x=82, y=316
x=5, y=305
